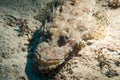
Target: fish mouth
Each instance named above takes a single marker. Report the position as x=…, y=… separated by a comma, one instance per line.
x=46, y=66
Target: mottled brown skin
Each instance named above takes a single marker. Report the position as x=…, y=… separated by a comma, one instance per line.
x=114, y=3
x=45, y=63
x=74, y=2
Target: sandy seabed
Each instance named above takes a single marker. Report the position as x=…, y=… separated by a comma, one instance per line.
x=94, y=23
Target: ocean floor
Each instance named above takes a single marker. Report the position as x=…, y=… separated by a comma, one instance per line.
x=59, y=40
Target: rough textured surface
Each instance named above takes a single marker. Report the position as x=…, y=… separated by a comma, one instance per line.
x=74, y=24
x=70, y=40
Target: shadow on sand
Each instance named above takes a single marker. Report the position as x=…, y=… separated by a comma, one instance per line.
x=37, y=38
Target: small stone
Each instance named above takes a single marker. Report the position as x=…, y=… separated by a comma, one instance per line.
x=23, y=49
